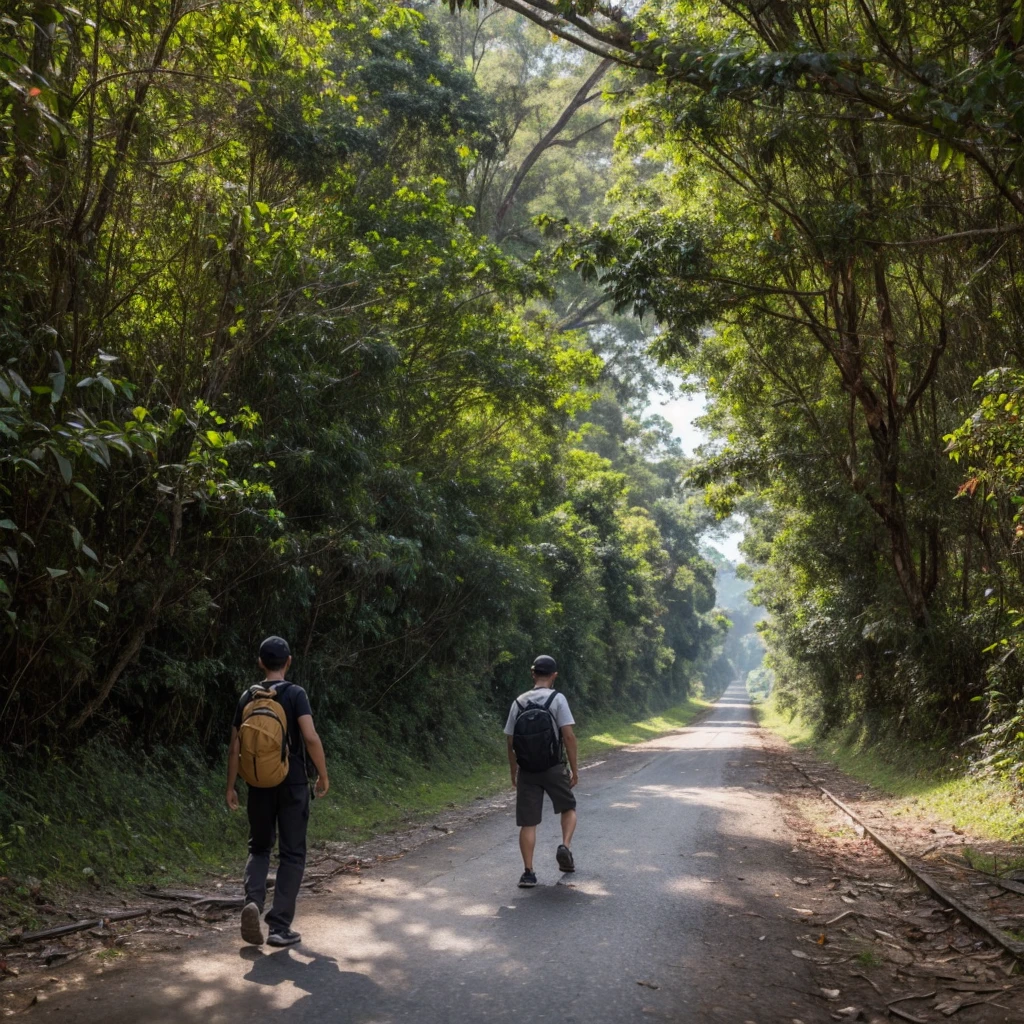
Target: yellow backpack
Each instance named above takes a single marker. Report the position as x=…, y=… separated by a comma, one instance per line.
x=263, y=739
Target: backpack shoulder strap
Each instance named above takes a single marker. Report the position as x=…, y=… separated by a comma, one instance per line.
x=254, y=691
x=550, y=700
x=522, y=707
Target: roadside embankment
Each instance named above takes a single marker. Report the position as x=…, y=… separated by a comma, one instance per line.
x=920, y=781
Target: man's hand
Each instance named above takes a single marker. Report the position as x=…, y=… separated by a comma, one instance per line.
x=322, y=785
x=515, y=776
x=574, y=781
x=231, y=799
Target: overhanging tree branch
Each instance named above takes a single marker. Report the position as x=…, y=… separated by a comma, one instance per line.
x=583, y=96
x=594, y=40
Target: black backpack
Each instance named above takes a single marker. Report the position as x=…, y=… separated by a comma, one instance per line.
x=536, y=739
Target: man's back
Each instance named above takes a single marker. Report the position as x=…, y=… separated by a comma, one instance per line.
x=559, y=708
x=295, y=702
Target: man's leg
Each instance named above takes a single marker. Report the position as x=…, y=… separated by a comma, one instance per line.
x=568, y=827
x=292, y=821
x=529, y=809
x=527, y=844
x=261, y=807
x=564, y=801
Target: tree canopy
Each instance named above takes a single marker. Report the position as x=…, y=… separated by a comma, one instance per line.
x=341, y=322
x=823, y=213
x=279, y=353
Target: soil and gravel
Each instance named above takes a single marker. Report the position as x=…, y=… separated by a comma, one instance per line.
x=898, y=953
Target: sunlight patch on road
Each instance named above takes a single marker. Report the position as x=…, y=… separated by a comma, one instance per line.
x=444, y=940
x=477, y=910
x=708, y=889
x=673, y=792
x=589, y=887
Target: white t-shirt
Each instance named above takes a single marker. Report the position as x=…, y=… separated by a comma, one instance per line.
x=559, y=708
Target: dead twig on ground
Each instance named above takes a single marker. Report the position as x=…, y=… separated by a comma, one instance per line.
x=916, y=995
x=78, y=926
x=850, y=913
x=871, y=982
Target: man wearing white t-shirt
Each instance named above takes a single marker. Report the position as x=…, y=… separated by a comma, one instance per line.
x=532, y=746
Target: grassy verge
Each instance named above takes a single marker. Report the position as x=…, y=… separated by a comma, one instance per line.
x=921, y=779
x=609, y=732
x=109, y=821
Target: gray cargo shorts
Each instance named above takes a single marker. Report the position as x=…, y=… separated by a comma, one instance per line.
x=530, y=790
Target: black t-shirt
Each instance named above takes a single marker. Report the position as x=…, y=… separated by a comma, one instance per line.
x=296, y=704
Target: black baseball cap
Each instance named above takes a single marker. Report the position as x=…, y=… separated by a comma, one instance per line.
x=544, y=665
x=274, y=651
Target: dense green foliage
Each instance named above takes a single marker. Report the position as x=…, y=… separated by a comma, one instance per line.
x=822, y=207
x=264, y=369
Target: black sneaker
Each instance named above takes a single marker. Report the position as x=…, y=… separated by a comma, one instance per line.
x=252, y=928
x=527, y=880
x=285, y=938
x=564, y=857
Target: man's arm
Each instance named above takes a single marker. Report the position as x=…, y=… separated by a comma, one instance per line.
x=231, y=797
x=512, y=764
x=316, y=752
x=569, y=739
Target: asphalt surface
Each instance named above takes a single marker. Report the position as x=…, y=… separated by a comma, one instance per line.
x=672, y=914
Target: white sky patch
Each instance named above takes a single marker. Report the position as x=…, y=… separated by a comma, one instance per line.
x=681, y=411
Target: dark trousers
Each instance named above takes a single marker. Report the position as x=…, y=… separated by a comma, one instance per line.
x=282, y=811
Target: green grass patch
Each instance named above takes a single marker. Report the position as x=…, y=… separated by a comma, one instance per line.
x=992, y=863
x=110, y=820
x=924, y=779
x=867, y=958
x=609, y=732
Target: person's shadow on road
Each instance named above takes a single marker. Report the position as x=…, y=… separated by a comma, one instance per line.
x=328, y=988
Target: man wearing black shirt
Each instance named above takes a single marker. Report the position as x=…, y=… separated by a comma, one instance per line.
x=282, y=809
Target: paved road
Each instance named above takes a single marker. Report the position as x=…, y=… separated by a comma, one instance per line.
x=679, y=847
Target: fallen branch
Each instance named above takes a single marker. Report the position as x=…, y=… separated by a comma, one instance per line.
x=200, y=900
x=219, y=903
x=80, y=926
